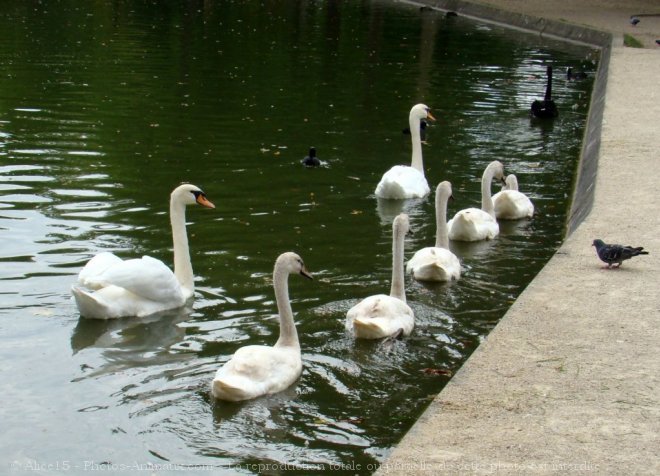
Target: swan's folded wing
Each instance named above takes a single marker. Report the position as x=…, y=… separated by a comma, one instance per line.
x=423, y=257
x=379, y=305
x=147, y=277
x=257, y=370
x=95, y=268
x=402, y=182
x=434, y=264
x=380, y=316
x=258, y=363
x=511, y=204
x=522, y=202
x=472, y=224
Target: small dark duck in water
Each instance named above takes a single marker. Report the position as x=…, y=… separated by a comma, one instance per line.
x=575, y=75
x=422, y=130
x=311, y=160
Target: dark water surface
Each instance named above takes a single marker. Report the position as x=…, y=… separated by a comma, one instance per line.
x=106, y=106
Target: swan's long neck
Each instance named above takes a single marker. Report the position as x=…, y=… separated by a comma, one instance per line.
x=441, y=232
x=548, y=87
x=486, y=199
x=416, y=139
x=511, y=183
x=397, y=288
x=182, y=265
x=288, y=333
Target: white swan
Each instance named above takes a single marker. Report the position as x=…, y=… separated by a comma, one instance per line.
x=256, y=370
x=141, y=286
x=474, y=224
x=403, y=181
x=381, y=315
x=510, y=204
x=437, y=263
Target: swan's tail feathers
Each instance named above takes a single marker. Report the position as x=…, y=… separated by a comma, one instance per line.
x=89, y=305
x=473, y=225
x=513, y=206
x=390, y=190
x=223, y=390
x=466, y=219
x=370, y=328
x=431, y=272
x=463, y=227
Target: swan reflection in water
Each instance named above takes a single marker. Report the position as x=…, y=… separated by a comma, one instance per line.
x=135, y=334
x=388, y=210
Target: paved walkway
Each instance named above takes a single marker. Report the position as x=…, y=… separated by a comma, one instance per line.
x=569, y=381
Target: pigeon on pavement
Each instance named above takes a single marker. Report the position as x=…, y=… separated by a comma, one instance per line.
x=616, y=254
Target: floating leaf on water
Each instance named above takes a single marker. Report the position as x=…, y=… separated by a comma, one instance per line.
x=443, y=372
x=42, y=312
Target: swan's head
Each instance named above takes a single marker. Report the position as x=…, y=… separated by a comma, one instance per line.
x=497, y=169
x=421, y=112
x=291, y=263
x=511, y=183
x=401, y=224
x=189, y=194
x=444, y=190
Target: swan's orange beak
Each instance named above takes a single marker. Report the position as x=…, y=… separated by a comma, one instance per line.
x=430, y=116
x=203, y=201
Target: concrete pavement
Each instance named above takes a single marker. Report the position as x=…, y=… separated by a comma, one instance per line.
x=569, y=380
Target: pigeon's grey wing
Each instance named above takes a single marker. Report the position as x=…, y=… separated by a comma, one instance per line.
x=611, y=253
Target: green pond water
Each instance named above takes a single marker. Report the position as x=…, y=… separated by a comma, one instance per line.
x=106, y=106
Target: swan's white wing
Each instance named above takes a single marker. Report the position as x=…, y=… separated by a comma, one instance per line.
x=472, y=224
x=95, y=267
x=434, y=264
x=112, y=302
x=380, y=316
x=147, y=277
x=512, y=205
x=401, y=182
x=263, y=363
x=257, y=370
